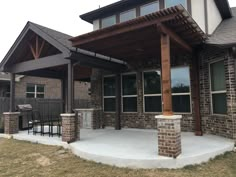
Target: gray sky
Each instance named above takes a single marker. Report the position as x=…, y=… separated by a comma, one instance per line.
x=61, y=15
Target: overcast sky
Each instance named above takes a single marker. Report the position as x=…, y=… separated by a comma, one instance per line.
x=61, y=15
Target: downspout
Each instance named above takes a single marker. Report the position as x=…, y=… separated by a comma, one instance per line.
x=232, y=101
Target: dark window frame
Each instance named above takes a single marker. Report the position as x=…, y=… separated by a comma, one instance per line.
x=121, y=13
x=216, y=92
x=108, y=97
x=35, y=92
x=173, y=94
x=186, y=7
x=129, y=96
x=150, y=95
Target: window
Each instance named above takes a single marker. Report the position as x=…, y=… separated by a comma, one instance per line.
x=170, y=3
x=180, y=86
x=34, y=91
x=218, y=88
x=128, y=15
x=109, y=94
x=149, y=8
x=152, y=91
x=109, y=21
x=129, y=93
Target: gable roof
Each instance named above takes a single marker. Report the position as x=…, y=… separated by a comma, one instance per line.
x=62, y=38
x=225, y=34
x=122, y=5
x=57, y=39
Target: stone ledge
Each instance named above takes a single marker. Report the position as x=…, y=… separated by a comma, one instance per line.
x=174, y=117
x=11, y=113
x=68, y=115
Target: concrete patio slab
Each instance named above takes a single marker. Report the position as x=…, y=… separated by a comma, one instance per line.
x=135, y=148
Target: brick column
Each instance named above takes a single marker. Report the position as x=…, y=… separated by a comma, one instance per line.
x=70, y=128
x=169, y=135
x=11, y=122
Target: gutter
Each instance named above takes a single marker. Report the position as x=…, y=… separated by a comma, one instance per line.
x=99, y=56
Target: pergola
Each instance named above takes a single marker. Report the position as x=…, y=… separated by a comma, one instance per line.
x=157, y=35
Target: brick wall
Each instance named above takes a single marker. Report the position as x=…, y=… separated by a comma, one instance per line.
x=213, y=124
x=139, y=119
x=52, y=87
x=217, y=124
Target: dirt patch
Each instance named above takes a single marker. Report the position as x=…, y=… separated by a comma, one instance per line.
x=43, y=161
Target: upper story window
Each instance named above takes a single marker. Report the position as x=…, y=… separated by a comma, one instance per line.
x=170, y=3
x=108, y=21
x=34, y=91
x=128, y=15
x=149, y=8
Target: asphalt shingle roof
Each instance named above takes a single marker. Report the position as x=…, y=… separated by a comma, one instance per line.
x=225, y=34
x=59, y=36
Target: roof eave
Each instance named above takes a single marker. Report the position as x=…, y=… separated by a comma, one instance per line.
x=224, y=8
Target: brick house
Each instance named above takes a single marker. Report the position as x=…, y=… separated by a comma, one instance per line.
x=158, y=64
x=209, y=109
x=38, y=87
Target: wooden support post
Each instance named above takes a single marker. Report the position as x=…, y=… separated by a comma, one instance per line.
x=118, y=102
x=70, y=85
x=166, y=75
x=196, y=97
x=12, y=93
x=63, y=94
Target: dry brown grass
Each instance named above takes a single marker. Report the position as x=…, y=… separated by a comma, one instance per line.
x=24, y=159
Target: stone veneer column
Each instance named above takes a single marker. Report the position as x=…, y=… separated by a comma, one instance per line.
x=169, y=135
x=11, y=122
x=70, y=127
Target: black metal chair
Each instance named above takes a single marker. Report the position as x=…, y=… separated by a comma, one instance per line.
x=55, y=122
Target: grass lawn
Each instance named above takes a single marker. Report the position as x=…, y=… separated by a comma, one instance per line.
x=18, y=158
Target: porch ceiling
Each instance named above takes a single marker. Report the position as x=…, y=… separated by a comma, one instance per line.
x=140, y=38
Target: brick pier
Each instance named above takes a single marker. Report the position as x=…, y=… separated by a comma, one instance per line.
x=169, y=135
x=11, y=122
x=70, y=128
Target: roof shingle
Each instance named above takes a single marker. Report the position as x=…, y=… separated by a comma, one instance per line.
x=225, y=34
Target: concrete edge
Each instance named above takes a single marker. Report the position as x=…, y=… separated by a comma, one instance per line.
x=167, y=163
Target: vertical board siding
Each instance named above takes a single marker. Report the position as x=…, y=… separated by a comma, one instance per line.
x=47, y=107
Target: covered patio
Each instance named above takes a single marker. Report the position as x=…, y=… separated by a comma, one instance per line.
x=135, y=148
x=165, y=37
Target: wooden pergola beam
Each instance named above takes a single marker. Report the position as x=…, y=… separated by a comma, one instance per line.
x=106, y=33
x=175, y=37
x=166, y=75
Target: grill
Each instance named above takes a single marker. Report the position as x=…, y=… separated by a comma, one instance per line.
x=25, y=116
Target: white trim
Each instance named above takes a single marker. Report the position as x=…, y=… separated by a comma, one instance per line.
x=216, y=92
x=128, y=96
